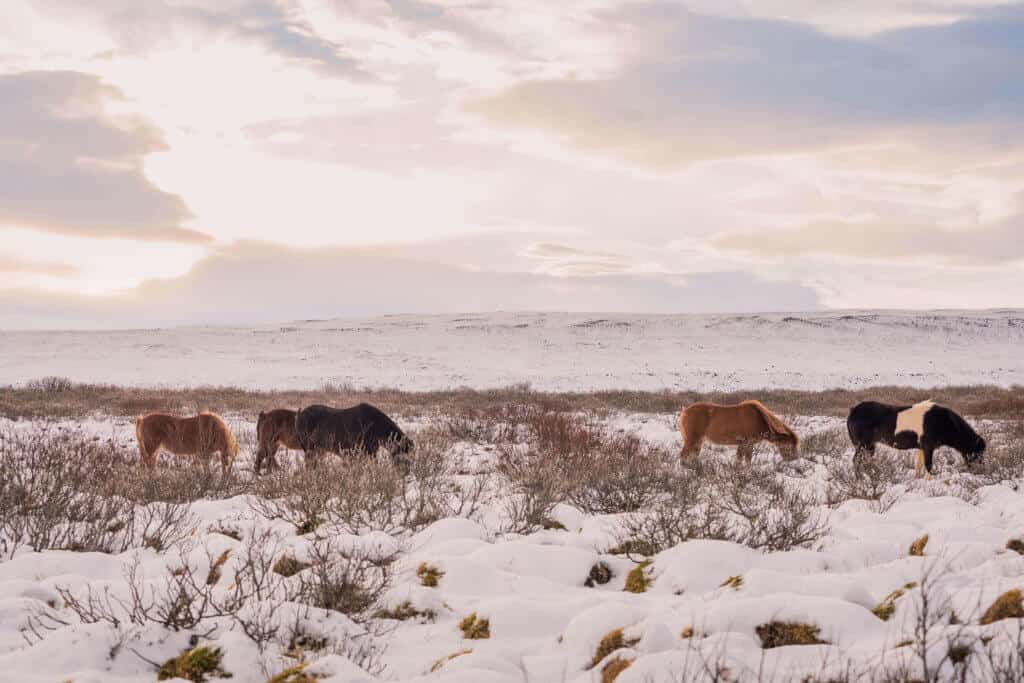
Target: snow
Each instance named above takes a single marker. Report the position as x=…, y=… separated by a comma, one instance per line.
x=545, y=623
x=550, y=351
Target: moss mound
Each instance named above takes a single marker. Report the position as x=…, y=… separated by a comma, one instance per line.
x=429, y=575
x=637, y=581
x=783, y=633
x=1009, y=605
x=197, y=665
x=475, y=628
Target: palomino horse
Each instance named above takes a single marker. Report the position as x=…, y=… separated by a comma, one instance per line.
x=274, y=428
x=200, y=436
x=742, y=425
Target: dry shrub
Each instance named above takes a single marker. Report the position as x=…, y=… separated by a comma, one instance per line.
x=352, y=582
x=1009, y=605
x=60, y=488
x=360, y=493
x=866, y=477
x=783, y=633
x=536, y=483
x=405, y=611
x=611, y=642
x=475, y=628
x=288, y=566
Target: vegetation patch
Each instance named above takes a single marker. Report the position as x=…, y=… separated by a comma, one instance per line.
x=295, y=674
x=406, y=611
x=783, y=633
x=475, y=628
x=917, y=547
x=637, y=581
x=216, y=568
x=686, y=633
x=613, y=668
x=429, y=575
x=289, y=566
x=612, y=641
x=197, y=665
x=600, y=574
x=1009, y=605
x=884, y=610
x=1016, y=545
x=634, y=547
x=552, y=524
x=439, y=664
x=734, y=582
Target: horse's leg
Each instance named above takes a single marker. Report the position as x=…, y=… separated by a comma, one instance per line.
x=745, y=451
x=148, y=449
x=918, y=463
x=691, y=451
x=927, y=451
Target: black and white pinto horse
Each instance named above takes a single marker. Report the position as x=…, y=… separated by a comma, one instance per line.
x=925, y=426
x=362, y=428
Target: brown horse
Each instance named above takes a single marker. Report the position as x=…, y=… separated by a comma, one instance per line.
x=274, y=428
x=742, y=425
x=200, y=436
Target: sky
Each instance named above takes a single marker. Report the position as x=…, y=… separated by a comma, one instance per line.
x=247, y=161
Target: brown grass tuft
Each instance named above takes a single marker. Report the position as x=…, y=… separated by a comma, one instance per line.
x=429, y=575
x=917, y=547
x=783, y=633
x=1009, y=605
x=615, y=667
x=637, y=581
x=475, y=628
x=612, y=641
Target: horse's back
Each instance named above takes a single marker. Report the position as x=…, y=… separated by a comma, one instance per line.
x=362, y=425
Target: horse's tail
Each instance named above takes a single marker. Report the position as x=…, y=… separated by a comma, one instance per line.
x=146, y=460
x=777, y=426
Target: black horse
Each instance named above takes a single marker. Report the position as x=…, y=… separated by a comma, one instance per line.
x=925, y=426
x=362, y=428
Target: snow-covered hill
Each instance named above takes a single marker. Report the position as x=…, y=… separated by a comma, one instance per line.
x=551, y=351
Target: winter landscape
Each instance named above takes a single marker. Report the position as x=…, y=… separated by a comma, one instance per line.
x=540, y=533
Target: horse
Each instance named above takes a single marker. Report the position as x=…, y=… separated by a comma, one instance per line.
x=362, y=428
x=199, y=436
x=925, y=426
x=274, y=428
x=742, y=425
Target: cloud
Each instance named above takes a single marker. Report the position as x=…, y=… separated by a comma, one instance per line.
x=10, y=265
x=256, y=282
x=978, y=245
x=68, y=166
x=703, y=87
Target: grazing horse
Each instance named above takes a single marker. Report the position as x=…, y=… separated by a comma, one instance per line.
x=360, y=428
x=742, y=425
x=200, y=436
x=274, y=428
x=925, y=426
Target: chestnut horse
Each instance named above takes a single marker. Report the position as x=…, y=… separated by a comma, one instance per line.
x=742, y=425
x=200, y=436
x=274, y=428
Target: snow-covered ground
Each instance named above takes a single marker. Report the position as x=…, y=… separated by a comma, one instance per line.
x=551, y=351
x=545, y=624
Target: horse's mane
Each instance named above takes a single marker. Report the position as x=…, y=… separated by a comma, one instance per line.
x=774, y=423
x=965, y=433
x=229, y=436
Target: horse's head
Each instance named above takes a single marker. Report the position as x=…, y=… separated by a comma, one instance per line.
x=975, y=451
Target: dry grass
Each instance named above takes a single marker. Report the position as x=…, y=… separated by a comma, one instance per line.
x=918, y=546
x=612, y=641
x=429, y=575
x=1009, y=605
x=783, y=633
x=638, y=581
x=57, y=397
x=475, y=628
x=612, y=670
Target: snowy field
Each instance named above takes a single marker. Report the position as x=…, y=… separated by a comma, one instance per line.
x=523, y=546
x=551, y=351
